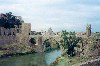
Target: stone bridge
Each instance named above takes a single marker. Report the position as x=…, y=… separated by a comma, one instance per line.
x=39, y=46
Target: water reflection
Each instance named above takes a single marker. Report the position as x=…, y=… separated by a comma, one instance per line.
x=51, y=56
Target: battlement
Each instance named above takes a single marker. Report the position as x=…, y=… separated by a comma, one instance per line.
x=19, y=34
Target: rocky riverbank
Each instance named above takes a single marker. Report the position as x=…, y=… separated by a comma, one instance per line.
x=15, y=49
x=76, y=61
x=15, y=54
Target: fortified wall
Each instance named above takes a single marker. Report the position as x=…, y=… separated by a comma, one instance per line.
x=25, y=33
x=19, y=34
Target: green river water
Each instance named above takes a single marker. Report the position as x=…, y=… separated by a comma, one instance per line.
x=35, y=59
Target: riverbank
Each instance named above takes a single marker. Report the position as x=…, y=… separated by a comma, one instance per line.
x=15, y=54
x=34, y=59
x=73, y=61
x=15, y=49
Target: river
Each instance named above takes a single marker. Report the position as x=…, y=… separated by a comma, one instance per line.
x=35, y=59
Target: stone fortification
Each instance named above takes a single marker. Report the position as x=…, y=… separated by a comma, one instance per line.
x=19, y=34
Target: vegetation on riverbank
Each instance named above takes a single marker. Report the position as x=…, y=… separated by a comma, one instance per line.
x=85, y=49
x=71, y=61
x=69, y=42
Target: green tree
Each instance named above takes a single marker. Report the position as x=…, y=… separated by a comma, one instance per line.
x=69, y=42
x=9, y=21
x=47, y=43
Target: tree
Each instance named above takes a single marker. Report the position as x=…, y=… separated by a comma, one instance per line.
x=47, y=43
x=69, y=42
x=9, y=21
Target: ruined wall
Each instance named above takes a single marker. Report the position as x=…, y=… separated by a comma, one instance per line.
x=7, y=40
x=7, y=36
x=15, y=35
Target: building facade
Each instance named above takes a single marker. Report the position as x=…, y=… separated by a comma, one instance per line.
x=19, y=34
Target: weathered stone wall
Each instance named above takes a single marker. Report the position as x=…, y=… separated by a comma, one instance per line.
x=15, y=35
x=7, y=40
x=10, y=31
x=25, y=32
x=7, y=36
x=40, y=47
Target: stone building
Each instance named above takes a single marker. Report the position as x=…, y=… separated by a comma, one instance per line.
x=50, y=31
x=19, y=34
x=25, y=32
x=88, y=30
x=86, y=34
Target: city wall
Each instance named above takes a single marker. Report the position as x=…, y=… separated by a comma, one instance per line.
x=15, y=35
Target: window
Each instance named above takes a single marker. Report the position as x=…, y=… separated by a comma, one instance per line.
x=4, y=33
x=29, y=33
x=13, y=33
x=9, y=33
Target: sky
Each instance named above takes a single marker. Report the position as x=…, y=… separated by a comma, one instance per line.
x=70, y=15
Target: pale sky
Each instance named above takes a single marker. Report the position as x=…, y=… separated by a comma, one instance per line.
x=72, y=15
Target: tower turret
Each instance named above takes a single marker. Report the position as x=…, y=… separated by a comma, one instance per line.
x=88, y=30
x=50, y=31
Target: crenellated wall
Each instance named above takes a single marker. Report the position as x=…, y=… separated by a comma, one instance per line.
x=15, y=35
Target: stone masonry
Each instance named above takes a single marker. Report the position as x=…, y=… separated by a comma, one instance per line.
x=19, y=34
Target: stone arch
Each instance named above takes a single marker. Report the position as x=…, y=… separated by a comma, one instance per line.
x=46, y=44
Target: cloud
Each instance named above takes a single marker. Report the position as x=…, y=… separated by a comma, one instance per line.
x=59, y=27
x=58, y=14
